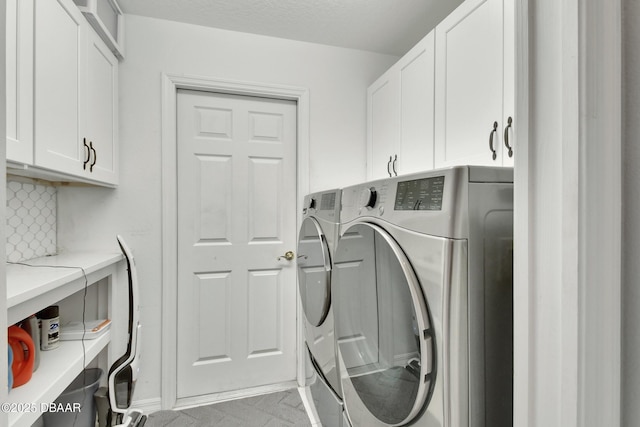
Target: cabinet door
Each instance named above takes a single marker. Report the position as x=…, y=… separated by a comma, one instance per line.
x=469, y=84
x=58, y=56
x=99, y=121
x=383, y=118
x=20, y=81
x=416, y=69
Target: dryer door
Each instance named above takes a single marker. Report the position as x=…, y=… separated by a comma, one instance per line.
x=314, y=271
x=385, y=339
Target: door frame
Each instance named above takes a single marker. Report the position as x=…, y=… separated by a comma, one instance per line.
x=588, y=105
x=170, y=85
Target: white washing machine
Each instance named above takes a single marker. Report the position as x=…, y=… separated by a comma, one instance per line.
x=423, y=289
x=316, y=243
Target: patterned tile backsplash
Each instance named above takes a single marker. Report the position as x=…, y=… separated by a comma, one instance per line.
x=31, y=220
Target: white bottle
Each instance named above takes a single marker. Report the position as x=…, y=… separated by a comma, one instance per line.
x=49, y=328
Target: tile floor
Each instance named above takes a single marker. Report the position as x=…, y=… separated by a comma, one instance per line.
x=283, y=408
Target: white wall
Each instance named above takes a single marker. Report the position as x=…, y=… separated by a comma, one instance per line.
x=89, y=218
x=631, y=213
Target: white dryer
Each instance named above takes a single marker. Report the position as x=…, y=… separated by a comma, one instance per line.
x=423, y=289
x=316, y=243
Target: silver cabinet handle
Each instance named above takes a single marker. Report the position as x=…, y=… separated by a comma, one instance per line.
x=389, y=167
x=493, y=132
x=395, y=159
x=506, y=137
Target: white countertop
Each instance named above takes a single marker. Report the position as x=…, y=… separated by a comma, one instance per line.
x=40, y=282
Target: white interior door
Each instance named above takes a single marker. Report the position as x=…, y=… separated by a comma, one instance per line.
x=236, y=217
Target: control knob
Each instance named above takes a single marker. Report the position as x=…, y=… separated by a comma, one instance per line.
x=368, y=198
x=312, y=203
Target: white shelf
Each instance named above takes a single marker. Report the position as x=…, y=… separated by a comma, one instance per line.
x=30, y=289
x=43, y=282
x=57, y=369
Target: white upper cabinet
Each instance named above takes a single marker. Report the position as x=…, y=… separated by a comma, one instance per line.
x=450, y=100
x=400, y=115
x=416, y=108
x=100, y=122
x=65, y=91
x=58, y=59
x=383, y=118
x=474, y=96
x=19, y=75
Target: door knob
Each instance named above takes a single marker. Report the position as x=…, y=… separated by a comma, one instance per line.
x=289, y=255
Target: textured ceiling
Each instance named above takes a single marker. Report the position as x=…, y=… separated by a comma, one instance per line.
x=384, y=26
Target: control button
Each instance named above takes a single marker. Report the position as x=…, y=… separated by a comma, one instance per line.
x=381, y=210
x=312, y=203
x=368, y=198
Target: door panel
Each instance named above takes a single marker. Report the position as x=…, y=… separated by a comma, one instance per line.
x=265, y=319
x=236, y=216
x=212, y=292
x=214, y=222
x=265, y=194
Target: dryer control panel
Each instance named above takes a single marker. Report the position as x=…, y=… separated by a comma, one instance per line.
x=431, y=202
x=423, y=194
x=325, y=205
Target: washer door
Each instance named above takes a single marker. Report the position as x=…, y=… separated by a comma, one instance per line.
x=314, y=271
x=385, y=341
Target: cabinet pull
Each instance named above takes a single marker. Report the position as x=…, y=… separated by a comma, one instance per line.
x=493, y=132
x=389, y=167
x=95, y=156
x=86, y=160
x=506, y=137
x=393, y=165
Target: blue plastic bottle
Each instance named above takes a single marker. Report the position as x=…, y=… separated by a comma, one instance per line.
x=10, y=371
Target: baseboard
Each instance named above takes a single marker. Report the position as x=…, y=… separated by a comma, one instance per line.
x=191, y=402
x=148, y=406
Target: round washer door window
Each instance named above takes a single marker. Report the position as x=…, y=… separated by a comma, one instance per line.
x=314, y=272
x=383, y=329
